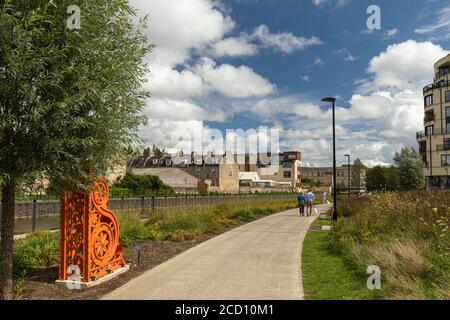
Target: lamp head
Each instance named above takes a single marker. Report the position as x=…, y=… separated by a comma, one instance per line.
x=329, y=99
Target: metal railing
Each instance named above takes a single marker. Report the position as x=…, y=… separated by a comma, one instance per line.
x=442, y=147
x=437, y=85
x=434, y=132
x=39, y=215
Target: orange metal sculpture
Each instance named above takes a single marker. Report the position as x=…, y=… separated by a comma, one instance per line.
x=89, y=235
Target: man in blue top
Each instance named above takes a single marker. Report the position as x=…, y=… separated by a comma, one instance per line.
x=301, y=203
x=309, y=203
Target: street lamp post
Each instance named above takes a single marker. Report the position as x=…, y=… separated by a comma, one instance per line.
x=349, y=178
x=333, y=102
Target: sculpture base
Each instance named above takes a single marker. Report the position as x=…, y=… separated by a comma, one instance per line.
x=84, y=285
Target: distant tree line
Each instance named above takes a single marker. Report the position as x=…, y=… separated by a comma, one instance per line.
x=405, y=174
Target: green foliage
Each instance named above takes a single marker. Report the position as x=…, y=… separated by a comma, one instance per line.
x=142, y=185
x=131, y=228
x=358, y=168
x=68, y=97
x=382, y=178
x=410, y=169
x=407, y=174
x=189, y=223
x=406, y=234
x=40, y=249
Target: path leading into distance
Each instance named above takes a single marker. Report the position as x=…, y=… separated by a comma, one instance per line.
x=257, y=261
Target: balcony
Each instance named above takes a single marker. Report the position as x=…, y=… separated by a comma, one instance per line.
x=441, y=84
x=443, y=147
x=429, y=118
x=435, y=132
x=420, y=135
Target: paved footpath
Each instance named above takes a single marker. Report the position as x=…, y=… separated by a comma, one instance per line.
x=257, y=261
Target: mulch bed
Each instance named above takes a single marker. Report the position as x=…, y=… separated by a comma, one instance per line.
x=40, y=283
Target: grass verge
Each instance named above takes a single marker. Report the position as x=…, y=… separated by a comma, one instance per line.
x=405, y=234
x=327, y=276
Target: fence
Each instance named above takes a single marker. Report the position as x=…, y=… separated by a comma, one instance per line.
x=44, y=214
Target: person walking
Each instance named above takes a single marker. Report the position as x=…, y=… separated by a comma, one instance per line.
x=309, y=203
x=324, y=197
x=301, y=203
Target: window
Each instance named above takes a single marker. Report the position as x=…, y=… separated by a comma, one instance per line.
x=447, y=144
x=287, y=174
x=445, y=160
x=447, y=96
x=447, y=115
x=155, y=162
x=428, y=100
x=429, y=130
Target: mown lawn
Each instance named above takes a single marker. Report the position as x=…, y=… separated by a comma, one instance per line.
x=326, y=276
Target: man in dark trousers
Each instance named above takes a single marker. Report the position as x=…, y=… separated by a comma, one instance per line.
x=301, y=203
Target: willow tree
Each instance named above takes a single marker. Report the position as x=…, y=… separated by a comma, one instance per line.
x=70, y=98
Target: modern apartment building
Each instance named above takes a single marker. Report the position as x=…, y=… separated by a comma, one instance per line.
x=434, y=141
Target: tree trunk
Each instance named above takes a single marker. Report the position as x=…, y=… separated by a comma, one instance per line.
x=7, y=240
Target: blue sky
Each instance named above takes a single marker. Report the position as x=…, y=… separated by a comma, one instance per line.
x=251, y=63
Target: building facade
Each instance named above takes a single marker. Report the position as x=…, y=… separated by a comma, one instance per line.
x=192, y=172
x=323, y=177
x=283, y=168
x=434, y=141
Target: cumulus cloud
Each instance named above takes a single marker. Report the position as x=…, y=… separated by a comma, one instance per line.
x=384, y=114
x=178, y=26
x=233, y=47
x=180, y=110
x=247, y=44
x=284, y=42
x=236, y=82
x=406, y=65
x=168, y=82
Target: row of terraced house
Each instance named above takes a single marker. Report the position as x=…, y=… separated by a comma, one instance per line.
x=227, y=174
x=263, y=172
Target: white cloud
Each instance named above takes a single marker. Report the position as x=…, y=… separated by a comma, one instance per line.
x=178, y=110
x=384, y=114
x=234, y=47
x=178, y=26
x=441, y=23
x=284, y=42
x=305, y=78
x=337, y=3
x=407, y=65
x=391, y=33
x=167, y=82
x=248, y=44
x=319, y=62
x=345, y=54
x=236, y=82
